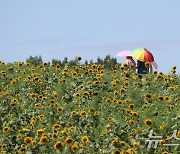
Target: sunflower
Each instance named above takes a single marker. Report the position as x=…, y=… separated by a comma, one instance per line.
x=113, y=84
x=127, y=100
x=81, y=86
x=57, y=66
x=125, y=65
x=73, y=113
x=108, y=100
x=119, y=102
x=41, y=117
x=13, y=81
x=27, y=140
x=33, y=95
x=43, y=69
x=116, y=152
x=43, y=98
x=147, y=64
x=6, y=129
x=91, y=111
x=155, y=113
x=165, y=152
x=122, y=90
x=63, y=132
x=122, y=68
x=52, y=101
x=55, y=94
x=82, y=113
x=115, y=93
x=166, y=98
x=56, y=126
x=74, y=73
x=148, y=96
x=122, y=143
x=131, y=122
x=44, y=139
x=45, y=64
x=135, y=83
x=33, y=121
x=90, y=70
x=155, y=72
x=85, y=94
x=94, y=93
x=39, y=132
x=37, y=105
x=20, y=63
x=54, y=136
x=59, y=109
x=135, y=144
x=173, y=71
x=74, y=147
x=131, y=106
x=27, y=64
x=115, y=142
x=109, y=118
x=3, y=73
x=3, y=146
x=12, y=103
x=148, y=122
x=171, y=88
x=85, y=139
x=77, y=94
x=161, y=98
x=34, y=143
x=25, y=129
x=96, y=82
x=134, y=114
x=58, y=146
x=79, y=58
x=102, y=71
x=162, y=127
x=22, y=150
x=171, y=107
x=69, y=140
x=70, y=130
x=162, y=142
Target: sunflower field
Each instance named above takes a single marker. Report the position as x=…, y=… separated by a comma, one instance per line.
x=88, y=109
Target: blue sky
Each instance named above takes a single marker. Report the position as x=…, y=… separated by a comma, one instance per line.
x=90, y=28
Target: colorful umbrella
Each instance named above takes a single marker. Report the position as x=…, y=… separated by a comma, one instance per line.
x=143, y=55
x=124, y=53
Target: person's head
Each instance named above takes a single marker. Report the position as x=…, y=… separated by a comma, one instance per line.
x=128, y=57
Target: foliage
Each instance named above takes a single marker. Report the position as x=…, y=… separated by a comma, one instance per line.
x=86, y=109
x=37, y=60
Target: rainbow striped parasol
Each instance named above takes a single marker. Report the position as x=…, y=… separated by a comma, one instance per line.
x=142, y=54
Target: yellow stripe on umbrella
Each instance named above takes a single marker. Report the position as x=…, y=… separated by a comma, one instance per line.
x=143, y=55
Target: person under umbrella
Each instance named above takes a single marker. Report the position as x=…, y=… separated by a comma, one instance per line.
x=130, y=62
x=142, y=68
x=145, y=60
x=129, y=59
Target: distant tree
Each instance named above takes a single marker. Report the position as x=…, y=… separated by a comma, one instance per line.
x=99, y=60
x=107, y=61
x=35, y=60
x=56, y=61
x=86, y=62
x=91, y=61
x=113, y=61
x=65, y=61
x=73, y=62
